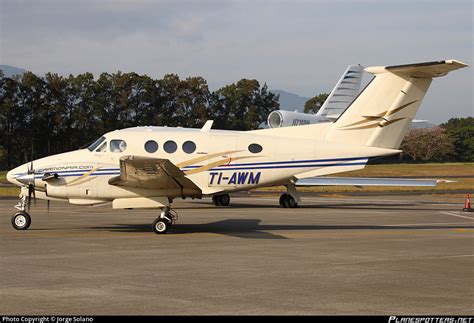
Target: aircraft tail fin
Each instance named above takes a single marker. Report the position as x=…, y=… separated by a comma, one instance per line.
x=343, y=93
x=381, y=114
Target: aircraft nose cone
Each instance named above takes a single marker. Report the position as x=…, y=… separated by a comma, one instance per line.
x=16, y=177
x=11, y=177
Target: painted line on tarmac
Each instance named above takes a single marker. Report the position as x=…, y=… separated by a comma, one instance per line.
x=456, y=215
x=421, y=224
x=351, y=200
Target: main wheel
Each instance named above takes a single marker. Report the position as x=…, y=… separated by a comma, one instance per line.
x=161, y=226
x=288, y=201
x=291, y=202
x=21, y=220
x=282, y=200
x=224, y=199
x=221, y=200
x=216, y=200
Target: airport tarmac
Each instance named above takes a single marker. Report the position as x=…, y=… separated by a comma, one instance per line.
x=334, y=255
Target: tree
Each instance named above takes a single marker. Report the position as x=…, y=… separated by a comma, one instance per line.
x=314, y=104
x=461, y=130
x=427, y=144
x=242, y=105
x=62, y=113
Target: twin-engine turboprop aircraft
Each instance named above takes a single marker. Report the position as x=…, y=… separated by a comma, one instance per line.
x=148, y=167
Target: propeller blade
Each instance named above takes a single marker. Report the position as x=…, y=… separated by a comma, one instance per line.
x=34, y=194
x=29, y=196
x=47, y=205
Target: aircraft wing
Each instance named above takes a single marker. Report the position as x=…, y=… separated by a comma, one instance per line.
x=365, y=181
x=152, y=173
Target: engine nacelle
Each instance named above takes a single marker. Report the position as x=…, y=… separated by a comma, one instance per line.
x=283, y=118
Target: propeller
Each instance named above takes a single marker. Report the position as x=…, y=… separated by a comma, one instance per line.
x=31, y=180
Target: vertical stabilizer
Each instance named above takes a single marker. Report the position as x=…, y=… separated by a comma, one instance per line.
x=382, y=113
x=343, y=93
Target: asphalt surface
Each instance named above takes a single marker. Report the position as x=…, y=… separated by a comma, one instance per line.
x=335, y=255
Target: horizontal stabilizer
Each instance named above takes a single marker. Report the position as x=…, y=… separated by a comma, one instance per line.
x=422, y=70
x=361, y=181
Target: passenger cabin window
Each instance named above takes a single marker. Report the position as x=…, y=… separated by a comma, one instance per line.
x=189, y=147
x=151, y=146
x=255, y=148
x=96, y=144
x=170, y=146
x=118, y=146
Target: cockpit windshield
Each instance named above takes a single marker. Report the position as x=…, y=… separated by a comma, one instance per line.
x=96, y=143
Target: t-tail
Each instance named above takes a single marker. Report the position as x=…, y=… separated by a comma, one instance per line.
x=382, y=113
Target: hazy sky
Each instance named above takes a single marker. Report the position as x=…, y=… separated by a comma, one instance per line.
x=296, y=46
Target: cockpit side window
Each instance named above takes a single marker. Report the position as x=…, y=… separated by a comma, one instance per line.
x=102, y=148
x=96, y=144
x=118, y=146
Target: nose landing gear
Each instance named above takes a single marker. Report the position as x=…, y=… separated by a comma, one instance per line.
x=166, y=219
x=21, y=220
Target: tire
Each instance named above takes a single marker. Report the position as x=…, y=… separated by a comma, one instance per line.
x=291, y=202
x=282, y=200
x=21, y=220
x=221, y=200
x=224, y=199
x=161, y=226
x=216, y=200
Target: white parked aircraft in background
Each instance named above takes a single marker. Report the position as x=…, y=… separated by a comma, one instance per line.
x=148, y=167
x=341, y=96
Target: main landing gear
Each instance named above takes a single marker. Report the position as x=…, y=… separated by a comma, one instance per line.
x=221, y=200
x=290, y=199
x=21, y=220
x=166, y=219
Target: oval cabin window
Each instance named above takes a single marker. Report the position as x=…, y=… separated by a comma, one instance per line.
x=189, y=147
x=170, y=146
x=151, y=146
x=255, y=148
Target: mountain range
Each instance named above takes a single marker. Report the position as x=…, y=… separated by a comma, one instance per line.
x=9, y=71
x=291, y=101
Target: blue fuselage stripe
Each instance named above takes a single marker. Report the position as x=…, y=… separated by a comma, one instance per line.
x=244, y=166
x=286, y=166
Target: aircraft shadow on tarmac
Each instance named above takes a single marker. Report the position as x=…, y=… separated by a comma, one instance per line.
x=253, y=229
x=347, y=206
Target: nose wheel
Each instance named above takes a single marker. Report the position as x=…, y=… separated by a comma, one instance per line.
x=161, y=226
x=21, y=220
x=166, y=219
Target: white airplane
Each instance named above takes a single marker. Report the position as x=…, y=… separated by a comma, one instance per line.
x=341, y=96
x=148, y=167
